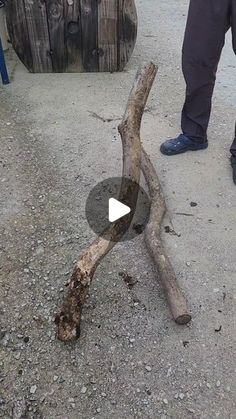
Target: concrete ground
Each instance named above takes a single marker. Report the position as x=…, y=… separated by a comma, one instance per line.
x=132, y=361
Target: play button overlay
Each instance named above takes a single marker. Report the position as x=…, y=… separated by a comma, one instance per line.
x=104, y=208
x=117, y=210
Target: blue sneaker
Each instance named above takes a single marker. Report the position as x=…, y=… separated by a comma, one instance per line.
x=181, y=144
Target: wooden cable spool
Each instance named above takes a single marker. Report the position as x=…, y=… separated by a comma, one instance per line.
x=72, y=35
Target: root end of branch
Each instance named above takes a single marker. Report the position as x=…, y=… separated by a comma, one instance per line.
x=68, y=319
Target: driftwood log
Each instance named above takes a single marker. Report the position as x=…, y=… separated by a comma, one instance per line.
x=69, y=317
x=166, y=274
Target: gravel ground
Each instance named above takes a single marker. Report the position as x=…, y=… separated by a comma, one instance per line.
x=132, y=361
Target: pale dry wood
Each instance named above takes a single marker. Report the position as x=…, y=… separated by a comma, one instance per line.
x=69, y=317
x=166, y=274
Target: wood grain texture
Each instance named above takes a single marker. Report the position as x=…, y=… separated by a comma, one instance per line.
x=68, y=318
x=73, y=36
x=107, y=34
x=18, y=31
x=36, y=18
x=89, y=26
x=127, y=31
x=166, y=273
x=56, y=28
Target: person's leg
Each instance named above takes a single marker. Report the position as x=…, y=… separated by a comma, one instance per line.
x=233, y=147
x=207, y=24
x=233, y=157
x=208, y=21
x=3, y=68
x=233, y=25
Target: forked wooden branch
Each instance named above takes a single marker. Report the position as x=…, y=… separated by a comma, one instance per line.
x=69, y=318
x=175, y=297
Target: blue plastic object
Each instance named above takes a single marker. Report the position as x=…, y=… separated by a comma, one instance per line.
x=3, y=68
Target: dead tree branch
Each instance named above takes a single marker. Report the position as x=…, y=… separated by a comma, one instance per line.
x=69, y=317
x=176, y=300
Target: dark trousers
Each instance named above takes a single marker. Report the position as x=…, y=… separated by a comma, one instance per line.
x=208, y=22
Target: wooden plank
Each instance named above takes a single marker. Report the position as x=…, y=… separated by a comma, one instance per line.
x=18, y=31
x=127, y=28
x=73, y=35
x=36, y=18
x=56, y=27
x=89, y=25
x=107, y=34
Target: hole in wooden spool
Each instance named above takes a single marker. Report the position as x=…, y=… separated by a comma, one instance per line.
x=73, y=27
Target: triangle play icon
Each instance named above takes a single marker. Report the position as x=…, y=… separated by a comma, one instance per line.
x=117, y=210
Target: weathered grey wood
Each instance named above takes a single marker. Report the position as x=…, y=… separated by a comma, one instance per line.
x=89, y=25
x=107, y=34
x=36, y=18
x=127, y=28
x=68, y=318
x=166, y=273
x=56, y=28
x=73, y=36
x=17, y=28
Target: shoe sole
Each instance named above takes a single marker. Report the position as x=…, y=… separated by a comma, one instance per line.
x=193, y=148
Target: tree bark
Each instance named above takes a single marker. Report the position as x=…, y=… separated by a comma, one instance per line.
x=69, y=318
x=176, y=300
